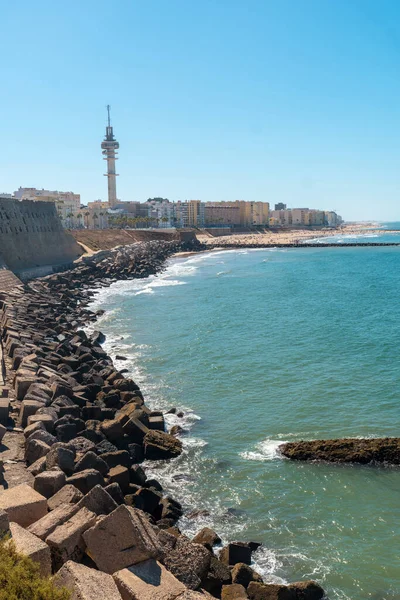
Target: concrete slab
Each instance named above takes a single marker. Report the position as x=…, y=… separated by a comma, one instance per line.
x=66, y=542
x=28, y=544
x=148, y=580
x=23, y=505
x=47, y=524
x=85, y=583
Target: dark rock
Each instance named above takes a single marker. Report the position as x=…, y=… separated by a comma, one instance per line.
x=189, y=562
x=243, y=574
x=120, y=457
x=98, y=500
x=269, y=591
x=61, y=456
x=307, y=590
x=137, y=475
x=217, y=576
x=346, y=450
x=86, y=480
x=136, y=453
x=153, y=483
x=233, y=592
x=235, y=552
x=115, y=492
x=159, y=445
x=90, y=460
x=65, y=433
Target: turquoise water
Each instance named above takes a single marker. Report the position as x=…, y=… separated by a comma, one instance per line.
x=260, y=347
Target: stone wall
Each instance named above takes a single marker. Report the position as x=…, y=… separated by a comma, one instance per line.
x=32, y=238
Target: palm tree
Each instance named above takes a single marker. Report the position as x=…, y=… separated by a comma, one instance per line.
x=79, y=217
x=101, y=219
x=69, y=217
x=95, y=218
x=87, y=214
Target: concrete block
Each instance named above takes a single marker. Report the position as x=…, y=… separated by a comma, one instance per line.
x=4, y=410
x=69, y=494
x=4, y=523
x=235, y=552
x=66, y=542
x=35, y=449
x=46, y=419
x=98, y=501
x=86, y=480
x=23, y=505
x=234, y=591
x=270, y=591
x=121, y=539
x=85, y=583
x=28, y=544
x=30, y=429
x=148, y=580
x=38, y=466
x=49, y=483
x=28, y=408
x=62, y=457
x=189, y=562
x=22, y=385
x=48, y=523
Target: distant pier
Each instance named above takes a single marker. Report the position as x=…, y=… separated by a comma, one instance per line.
x=304, y=245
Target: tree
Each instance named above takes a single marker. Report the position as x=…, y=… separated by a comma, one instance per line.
x=87, y=214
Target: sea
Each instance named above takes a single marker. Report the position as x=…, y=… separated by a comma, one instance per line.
x=260, y=347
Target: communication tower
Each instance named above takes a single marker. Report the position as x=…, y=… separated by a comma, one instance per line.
x=109, y=147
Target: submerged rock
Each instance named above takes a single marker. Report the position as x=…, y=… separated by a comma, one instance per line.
x=346, y=450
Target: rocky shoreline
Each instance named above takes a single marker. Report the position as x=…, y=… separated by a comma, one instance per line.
x=91, y=513
x=346, y=450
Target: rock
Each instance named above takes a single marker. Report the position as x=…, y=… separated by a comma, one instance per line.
x=29, y=545
x=156, y=423
x=4, y=524
x=159, y=445
x=43, y=436
x=243, y=574
x=23, y=505
x=189, y=562
x=46, y=419
x=112, y=429
x=66, y=541
x=121, y=476
x=69, y=494
x=34, y=450
x=82, y=445
x=353, y=450
x=86, y=480
x=49, y=483
x=38, y=426
x=137, y=475
x=115, y=492
x=121, y=539
x=61, y=456
x=269, y=591
x=67, y=432
x=235, y=552
x=146, y=500
x=38, y=466
x=136, y=453
x=217, y=576
x=307, y=590
x=207, y=537
x=148, y=580
x=48, y=523
x=113, y=459
x=3, y=431
x=233, y=592
x=98, y=501
x=90, y=460
x=85, y=583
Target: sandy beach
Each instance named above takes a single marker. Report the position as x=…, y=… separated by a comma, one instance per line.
x=289, y=236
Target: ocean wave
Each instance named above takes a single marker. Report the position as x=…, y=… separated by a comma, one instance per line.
x=265, y=450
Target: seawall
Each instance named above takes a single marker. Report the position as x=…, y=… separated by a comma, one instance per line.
x=32, y=239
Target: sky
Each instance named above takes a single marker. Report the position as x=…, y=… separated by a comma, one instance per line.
x=294, y=101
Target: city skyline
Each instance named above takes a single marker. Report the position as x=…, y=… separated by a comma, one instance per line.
x=225, y=102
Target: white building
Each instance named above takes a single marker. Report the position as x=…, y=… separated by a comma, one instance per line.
x=161, y=211
x=67, y=203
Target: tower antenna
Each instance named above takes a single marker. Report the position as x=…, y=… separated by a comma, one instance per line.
x=108, y=111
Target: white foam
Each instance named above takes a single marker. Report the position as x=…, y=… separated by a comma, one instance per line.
x=266, y=450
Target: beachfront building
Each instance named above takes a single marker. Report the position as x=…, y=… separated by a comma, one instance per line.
x=304, y=217
x=239, y=213
x=67, y=203
x=188, y=214
x=160, y=211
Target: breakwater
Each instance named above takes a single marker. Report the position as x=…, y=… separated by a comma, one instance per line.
x=87, y=431
x=353, y=450
x=239, y=245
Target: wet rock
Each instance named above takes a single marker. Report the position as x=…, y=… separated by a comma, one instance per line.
x=233, y=592
x=207, y=537
x=159, y=446
x=269, y=591
x=307, y=590
x=235, y=552
x=243, y=574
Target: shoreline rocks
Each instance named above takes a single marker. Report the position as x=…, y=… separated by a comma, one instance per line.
x=86, y=432
x=346, y=450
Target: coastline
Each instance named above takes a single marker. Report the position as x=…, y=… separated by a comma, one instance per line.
x=63, y=377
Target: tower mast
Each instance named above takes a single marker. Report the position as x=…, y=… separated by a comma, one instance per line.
x=109, y=147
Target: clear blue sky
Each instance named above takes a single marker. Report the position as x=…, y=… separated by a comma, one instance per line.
x=294, y=101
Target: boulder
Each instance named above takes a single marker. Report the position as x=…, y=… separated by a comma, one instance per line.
x=49, y=483
x=234, y=591
x=34, y=450
x=38, y=426
x=90, y=460
x=189, y=562
x=38, y=466
x=85, y=583
x=122, y=538
x=121, y=476
x=61, y=456
x=23, y=505
x=46, y=419
x=86, y=480
x=243, y=574
x=66, y=541
x=29, y=545
x=307, y=590
x=148, y=580
x=98, y=501
x=217, y=576
x=270, y=591
x=48, y=523
x=3, y=431
x=235, y=552
x=69, y=494
x=114, y=459
x=43, y=436
x=207, y=537
x=159, y=445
